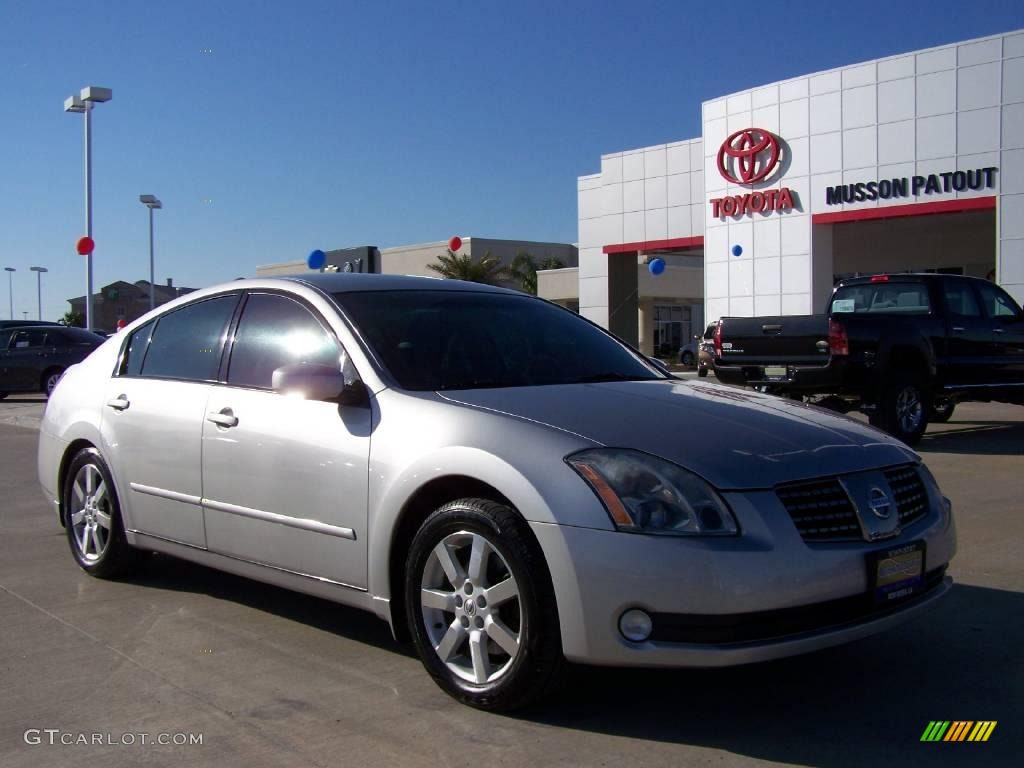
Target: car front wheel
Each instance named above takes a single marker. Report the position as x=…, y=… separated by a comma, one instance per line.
x=481, y=607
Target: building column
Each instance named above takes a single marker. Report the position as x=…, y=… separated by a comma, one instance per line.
x=645, y=324
x=822, y=268
x=608, y=292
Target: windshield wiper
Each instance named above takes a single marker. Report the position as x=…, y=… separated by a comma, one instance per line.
x=611, y=376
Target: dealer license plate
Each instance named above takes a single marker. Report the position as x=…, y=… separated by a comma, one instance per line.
x=896, y=573
x=775, y=373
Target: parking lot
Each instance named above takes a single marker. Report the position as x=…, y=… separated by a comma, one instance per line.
x=271, y=678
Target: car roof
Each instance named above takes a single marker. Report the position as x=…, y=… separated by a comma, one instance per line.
x=350, y=282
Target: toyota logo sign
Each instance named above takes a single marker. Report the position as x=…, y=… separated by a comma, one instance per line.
x=748, y=156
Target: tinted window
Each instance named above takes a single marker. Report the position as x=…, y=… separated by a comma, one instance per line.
x=960, y=299
x=186, y=343
x=136, y=351
x=996, y=301
x=276, y=331
x=432, y=340
x=882, y=297
x=72, y=337
x=28, y=339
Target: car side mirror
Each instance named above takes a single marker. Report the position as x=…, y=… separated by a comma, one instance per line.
x=311, y=381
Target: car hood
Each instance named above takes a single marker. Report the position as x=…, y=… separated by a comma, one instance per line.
x=734, y=438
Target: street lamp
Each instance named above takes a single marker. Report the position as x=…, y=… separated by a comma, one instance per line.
x=84, y=103
x=10, y=286
x=39, y=287
x=152, y=203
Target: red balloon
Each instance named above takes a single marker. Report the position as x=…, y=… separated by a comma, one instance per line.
x=85, y=246
x=455, y=243
x=121, y=324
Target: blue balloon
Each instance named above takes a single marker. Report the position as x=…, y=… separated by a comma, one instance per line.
x=317, y=259
x=656, y=266
x=737, y=250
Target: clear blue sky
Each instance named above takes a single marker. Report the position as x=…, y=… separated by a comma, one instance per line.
x=329, y=124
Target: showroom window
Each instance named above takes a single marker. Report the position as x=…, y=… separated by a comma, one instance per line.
x=275, y=331
x=671, y=326
x=187, y=343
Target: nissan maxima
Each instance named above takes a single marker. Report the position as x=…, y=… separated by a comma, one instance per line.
x=508, y=485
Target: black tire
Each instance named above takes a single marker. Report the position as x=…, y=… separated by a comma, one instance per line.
x=107, y=555
x=687, y=359
x=702, y=371
x=49, y=380
x=536, y=665
x=941, y=411
x=904, y=408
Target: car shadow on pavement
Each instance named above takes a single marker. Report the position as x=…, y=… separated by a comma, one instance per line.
x=170, y=573
x=867, y=703
x=990, y=438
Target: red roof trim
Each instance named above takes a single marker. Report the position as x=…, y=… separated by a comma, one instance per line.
x=910, y=209
x=655, y=245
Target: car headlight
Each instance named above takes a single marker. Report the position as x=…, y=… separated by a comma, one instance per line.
x=645, y=494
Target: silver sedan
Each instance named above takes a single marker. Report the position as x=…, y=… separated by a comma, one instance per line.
x=505, y=483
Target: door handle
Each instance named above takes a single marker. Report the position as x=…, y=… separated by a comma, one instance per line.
x=119, y=403
x=958, y=329
x=223, y=418
x=997, y=330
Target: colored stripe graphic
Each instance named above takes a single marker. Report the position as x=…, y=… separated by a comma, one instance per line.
x=935, y=730
x=958, y=730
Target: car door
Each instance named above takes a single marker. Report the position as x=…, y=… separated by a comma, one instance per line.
x=23, y=363
x=969, y=357
x=285, y=479
x=153, y=417
x=1005, y=322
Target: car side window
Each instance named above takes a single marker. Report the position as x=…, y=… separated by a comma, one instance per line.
x=28, y=339
x=960, y=299
x=135, y=352
x=997, y=302
x=186, y=343
x=275, y=331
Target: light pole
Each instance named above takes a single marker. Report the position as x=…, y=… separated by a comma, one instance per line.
x=152, y=203
x=84, y=103
x=10, y=286
x=39, y=287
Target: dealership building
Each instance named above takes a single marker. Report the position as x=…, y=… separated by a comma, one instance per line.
x=910, y=162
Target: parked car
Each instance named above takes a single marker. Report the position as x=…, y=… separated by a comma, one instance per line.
x=33, y=358
x=700, y=351
x=501, y=480
x=905, y=348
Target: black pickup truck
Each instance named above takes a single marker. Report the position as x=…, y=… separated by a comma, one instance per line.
x=904, y=348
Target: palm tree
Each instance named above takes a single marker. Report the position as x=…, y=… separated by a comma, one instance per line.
x=524, y=270
x=488, y=269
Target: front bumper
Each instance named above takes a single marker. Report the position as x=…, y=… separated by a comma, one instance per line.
x=762, y=595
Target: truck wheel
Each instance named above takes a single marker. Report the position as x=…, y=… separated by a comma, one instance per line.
x=903, y=409
x=941, y=411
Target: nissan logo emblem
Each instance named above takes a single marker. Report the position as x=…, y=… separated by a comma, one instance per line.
x=879, y=502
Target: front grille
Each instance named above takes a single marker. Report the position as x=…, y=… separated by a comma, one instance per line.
x=821, y=510
x=909, y=493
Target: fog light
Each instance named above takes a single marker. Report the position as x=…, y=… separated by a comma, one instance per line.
x=635, y=625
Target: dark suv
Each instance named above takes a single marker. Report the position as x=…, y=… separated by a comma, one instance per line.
x=33, y=357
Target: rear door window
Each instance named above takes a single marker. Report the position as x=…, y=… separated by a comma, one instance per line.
x=187, y=343
x=135, y=353
x=30, y=339
x=960, y=299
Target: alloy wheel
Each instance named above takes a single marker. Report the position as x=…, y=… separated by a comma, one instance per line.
x=909, y=409
x=90, y=517
x=471, y=607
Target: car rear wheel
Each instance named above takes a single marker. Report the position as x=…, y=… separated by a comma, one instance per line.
x=50, y=379
x=904, y=409
x=481, y=607
x=942, y=411
x=93, y=519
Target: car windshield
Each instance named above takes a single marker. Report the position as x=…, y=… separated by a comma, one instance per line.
x=882, y=297
x=440, y=340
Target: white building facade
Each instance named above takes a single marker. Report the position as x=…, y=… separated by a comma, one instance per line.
x=911, y=162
